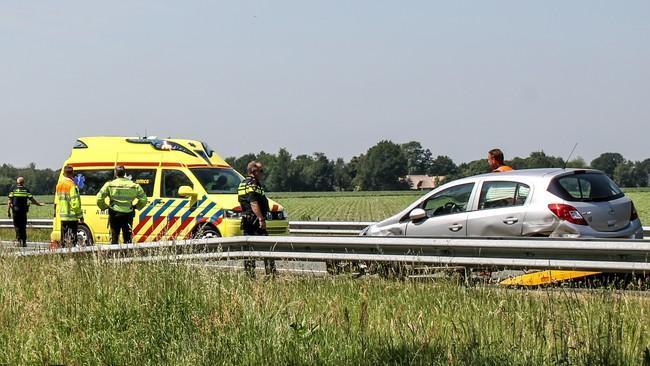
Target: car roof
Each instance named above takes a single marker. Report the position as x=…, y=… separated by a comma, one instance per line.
x=539, y=175
x=536, y=173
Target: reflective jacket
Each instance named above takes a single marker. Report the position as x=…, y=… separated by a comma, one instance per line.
x=249, y=191
x=502, y=168
x=20, y=197
x=67, y=200
x=121, y=193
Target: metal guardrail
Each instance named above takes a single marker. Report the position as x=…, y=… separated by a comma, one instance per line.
x=590, y=255
x=327, y=227
x=342, y=228
x=31, y=223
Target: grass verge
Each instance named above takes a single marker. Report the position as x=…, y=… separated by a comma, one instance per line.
x=63, y=311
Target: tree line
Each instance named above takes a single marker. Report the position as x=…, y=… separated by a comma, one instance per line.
x=381, y=167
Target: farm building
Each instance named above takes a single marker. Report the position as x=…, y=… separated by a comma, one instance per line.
x=417, y=182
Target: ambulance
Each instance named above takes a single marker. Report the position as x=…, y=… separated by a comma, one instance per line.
x=192, y=191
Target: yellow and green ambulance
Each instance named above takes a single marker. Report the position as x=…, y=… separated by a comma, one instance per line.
x=192, y=191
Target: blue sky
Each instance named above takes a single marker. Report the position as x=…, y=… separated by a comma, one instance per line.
x=332, y=76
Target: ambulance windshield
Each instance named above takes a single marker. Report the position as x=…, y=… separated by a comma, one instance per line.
x=217, y=180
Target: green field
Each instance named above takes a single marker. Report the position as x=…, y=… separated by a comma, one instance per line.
x=77, y=312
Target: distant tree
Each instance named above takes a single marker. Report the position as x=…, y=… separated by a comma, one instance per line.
x=322, y=173
x=578, y=162
x=240, y=163
x=442, y=165
x=353, y=168
x=382, y=167
x=279, y=178
x=518, y=163
x=642, y=169
x=472, y=168
x=418, y=159
x=342, y=176
x=607, y=162
x=627, y=175
x=538, y=159
x=303, y=179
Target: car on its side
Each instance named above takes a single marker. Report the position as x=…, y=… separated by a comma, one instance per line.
x=573, y=203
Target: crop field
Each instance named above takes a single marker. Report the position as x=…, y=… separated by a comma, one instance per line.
x=75, y=312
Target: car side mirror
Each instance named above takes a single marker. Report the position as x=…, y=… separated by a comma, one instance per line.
x=187, y=191
x=417, y=214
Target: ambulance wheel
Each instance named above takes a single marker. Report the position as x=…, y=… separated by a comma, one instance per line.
x=207, y=232
x=84, y=236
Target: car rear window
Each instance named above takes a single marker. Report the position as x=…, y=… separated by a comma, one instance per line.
x=585, y=187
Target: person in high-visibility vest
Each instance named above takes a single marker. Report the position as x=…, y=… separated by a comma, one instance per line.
x=18, y=206
x=67, y=205
x=255, y=207
x=121, y=193
x=495, y=159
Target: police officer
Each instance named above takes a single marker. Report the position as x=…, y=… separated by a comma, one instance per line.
x=121, y=193
x=18, y=206
x=495, y=159
x=67, y=205
x=254, y=206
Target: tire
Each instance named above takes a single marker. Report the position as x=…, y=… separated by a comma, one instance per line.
x=84, y=236
x=207, y=232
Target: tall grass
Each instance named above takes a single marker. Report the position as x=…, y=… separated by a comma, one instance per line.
x=55, y=310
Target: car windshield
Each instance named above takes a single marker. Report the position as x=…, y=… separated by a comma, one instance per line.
x=218, y=180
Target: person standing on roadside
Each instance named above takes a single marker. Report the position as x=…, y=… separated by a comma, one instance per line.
x=255, y=207
x=18, y=206
x=495, y=159
x=121, y=193
x=67, y=205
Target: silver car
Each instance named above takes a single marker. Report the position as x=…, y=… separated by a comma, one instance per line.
x=534, y=202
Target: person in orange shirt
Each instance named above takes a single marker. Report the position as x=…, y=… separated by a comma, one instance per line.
x=495, y=159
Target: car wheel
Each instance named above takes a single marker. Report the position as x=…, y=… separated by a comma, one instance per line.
x=207, y=232
x=84, y=236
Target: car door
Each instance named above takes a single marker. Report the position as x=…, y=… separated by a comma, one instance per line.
x=501, y=209
x=446, y=213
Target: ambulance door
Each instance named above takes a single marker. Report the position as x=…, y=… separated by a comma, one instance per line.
x=170, y=216
x=146, y=178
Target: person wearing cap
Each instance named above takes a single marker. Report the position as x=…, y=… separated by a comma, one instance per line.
x=495, y=159
x=18, y=206
x=121, y=193
x=255, y=207
x=67, y=205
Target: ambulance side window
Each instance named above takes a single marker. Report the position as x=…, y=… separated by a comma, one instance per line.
x=144, y=177
x=172, y=180
x=89, y=182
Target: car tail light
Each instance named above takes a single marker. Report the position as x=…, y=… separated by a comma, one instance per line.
x=633, y=214
x=567, y=213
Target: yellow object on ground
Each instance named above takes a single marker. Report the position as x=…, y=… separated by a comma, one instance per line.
x=545, y=277
x=191, y=191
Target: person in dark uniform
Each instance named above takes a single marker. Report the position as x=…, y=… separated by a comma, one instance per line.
x=18, y=206
x=255, y=207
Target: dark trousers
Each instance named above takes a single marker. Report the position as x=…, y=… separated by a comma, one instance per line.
x=251, y=227
x=69, y=233
x=20, y=224
x=123, y=222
